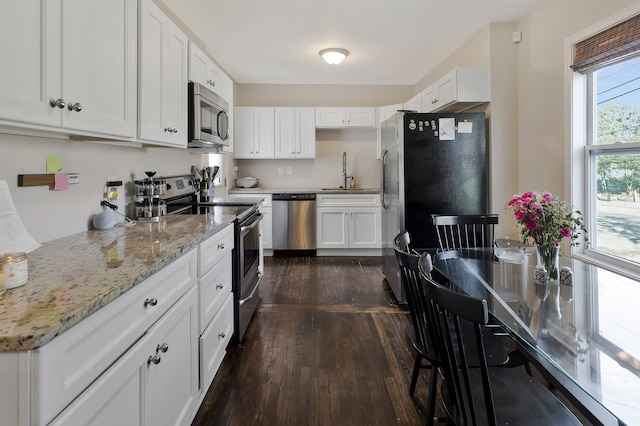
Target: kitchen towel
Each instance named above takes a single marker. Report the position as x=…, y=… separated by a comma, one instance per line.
x=61, y=181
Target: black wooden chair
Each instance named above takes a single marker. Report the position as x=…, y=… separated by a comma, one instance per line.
x=483, y=395
x=422, y=319
x=465, y=231
x=423, y=323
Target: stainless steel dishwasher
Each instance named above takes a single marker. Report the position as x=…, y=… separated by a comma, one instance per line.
x=294, y=223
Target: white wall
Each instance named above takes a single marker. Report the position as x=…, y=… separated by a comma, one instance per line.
x=51, y=214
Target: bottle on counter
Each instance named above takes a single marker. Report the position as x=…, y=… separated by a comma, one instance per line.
x=352, y=183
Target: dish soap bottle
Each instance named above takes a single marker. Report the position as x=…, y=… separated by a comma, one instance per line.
x=352, y=183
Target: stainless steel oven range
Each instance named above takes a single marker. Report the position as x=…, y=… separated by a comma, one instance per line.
x=181, y=198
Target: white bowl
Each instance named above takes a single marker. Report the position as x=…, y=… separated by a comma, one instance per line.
x=247, y=182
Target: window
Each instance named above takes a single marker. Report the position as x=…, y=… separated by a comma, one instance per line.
x=606, y=68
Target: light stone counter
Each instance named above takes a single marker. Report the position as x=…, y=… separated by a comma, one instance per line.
x=73, y=277
x=304, y=190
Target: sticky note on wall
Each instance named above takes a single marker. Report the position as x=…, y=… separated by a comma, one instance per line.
x=54, y=164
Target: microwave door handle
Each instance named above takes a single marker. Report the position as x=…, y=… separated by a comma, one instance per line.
x=223, y=123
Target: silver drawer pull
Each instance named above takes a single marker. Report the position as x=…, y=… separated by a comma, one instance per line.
x=152, y=302
x=60, y=103
x=219, y=286
x=221, y=246
x=162, y=348
x=221, y=335
x=154, y=359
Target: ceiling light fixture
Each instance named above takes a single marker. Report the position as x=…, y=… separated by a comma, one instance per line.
x=334, y=55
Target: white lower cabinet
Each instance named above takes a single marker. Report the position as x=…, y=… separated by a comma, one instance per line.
x=349, y=221
x=146, y=358
x=155, y=382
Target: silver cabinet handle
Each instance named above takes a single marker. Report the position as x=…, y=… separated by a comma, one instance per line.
x=60, y=103
x=171, y=129
x=175, y=130
x=221, y=246
x=221, y=335
x=162, y=348
x=219, y=286
x=75, y=107
x=154, y=359
x=211, y=82
x=151, y=302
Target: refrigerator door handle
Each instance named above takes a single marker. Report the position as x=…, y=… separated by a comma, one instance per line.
x=383, y=178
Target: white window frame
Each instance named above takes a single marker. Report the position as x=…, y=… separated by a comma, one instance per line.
x=578, y=130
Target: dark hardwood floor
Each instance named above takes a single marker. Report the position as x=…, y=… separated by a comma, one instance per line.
x=328, y=345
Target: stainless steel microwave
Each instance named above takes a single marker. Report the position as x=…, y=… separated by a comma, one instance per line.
x=208, y=119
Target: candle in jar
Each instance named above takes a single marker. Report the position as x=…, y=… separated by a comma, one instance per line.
x=14, y=269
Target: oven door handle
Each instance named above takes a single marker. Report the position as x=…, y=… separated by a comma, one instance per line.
x=252, y=225
x=243, y=301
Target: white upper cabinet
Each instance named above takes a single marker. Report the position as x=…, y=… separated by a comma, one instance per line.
x=163, y=78
x=253, y=132
x=295, y=132
x=458, y=90
x=414, y=104
x=69, y=69
x=345, y=117
x=204, y=71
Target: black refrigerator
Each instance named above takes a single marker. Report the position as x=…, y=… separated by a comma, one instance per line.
x=431, y=163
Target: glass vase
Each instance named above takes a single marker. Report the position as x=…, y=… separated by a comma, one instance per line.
x=549, y=256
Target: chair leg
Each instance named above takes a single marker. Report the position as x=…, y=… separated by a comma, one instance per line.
x=431, y=408
x=416, y=373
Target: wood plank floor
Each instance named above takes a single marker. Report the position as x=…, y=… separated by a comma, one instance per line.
x=328, y=345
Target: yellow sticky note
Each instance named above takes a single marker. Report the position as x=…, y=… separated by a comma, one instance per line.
x=54, y=164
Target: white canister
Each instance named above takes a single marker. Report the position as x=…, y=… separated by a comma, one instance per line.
x=14, y=270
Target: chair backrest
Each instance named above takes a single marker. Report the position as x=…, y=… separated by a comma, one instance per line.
x=451, y=309
x=422, y=317
x=465, y=231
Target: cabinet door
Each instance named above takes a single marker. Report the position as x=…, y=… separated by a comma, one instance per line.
x=286, y=145
x=415, y=103
x=305, y=132
x=243, y=132
x=163, y=78
x=330, y=117
x=430, y=98
x=266, y=228
x=264, y=132
x=202, y=69
x=447, y=89
x=171, y=385
x=99, y=70
x=360, y=117
x=364, y=227
x=30, y=71
x=332, y=229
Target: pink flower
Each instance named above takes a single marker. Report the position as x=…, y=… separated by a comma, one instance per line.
x=565, y=233
x=536, y=205
x=519, y=214
x=530, y=225
x=547, y=197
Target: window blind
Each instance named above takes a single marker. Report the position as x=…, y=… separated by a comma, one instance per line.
x=611, y=45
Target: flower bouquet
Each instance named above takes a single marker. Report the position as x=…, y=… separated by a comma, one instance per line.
x=546, y=220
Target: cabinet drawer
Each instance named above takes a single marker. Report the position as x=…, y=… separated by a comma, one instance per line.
x=213, y=287
x=348, y=200
x=64, y=367
x=212, y=249
x=213, y=343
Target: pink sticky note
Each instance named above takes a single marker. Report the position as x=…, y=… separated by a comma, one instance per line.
x=61, y=181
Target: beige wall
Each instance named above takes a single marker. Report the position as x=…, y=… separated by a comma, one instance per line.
x=53, y=214
x=527, y=127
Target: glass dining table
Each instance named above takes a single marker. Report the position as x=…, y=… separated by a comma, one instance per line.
x=583, y=337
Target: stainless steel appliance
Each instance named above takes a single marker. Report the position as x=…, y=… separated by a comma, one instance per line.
x=294, y=223
x=208, y=119
x=181, y=197
x=431, y=164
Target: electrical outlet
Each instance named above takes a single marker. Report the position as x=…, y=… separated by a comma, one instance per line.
x=289, y=170
x=280, y=171
x=74, y=178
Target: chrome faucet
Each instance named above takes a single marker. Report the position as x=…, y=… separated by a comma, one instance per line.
x=345, y=176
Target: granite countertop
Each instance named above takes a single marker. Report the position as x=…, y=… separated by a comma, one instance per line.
x=72, y=277
x=297, y=190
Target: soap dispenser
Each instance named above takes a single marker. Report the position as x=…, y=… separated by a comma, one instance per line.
x=352, y=183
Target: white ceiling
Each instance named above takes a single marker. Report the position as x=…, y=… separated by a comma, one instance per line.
x=391, y=42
